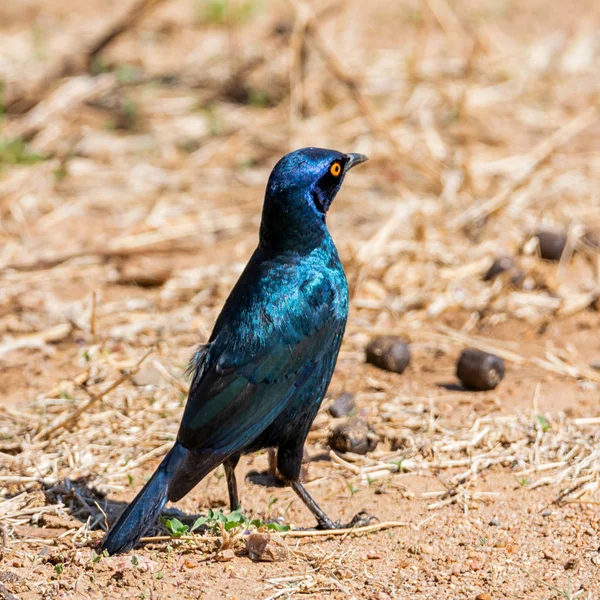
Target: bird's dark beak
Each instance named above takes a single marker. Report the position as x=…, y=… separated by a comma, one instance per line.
x=354, y=159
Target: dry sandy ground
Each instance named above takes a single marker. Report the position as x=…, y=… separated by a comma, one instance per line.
x=481, y=123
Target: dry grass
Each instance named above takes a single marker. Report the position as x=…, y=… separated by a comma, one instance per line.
x=129, y=214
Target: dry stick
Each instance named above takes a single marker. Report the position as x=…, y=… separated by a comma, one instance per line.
x=292, y=533
x=340, y=73
x=72, y=93
x=69, y=419
x=538, y=156
x=80, y=57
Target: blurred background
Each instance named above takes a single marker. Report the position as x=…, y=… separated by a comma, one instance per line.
x=136, y=138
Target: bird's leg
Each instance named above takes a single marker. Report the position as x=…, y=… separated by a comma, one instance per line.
x=289, y=462
x=272, y=463
x=230, y=464
x=324, y=522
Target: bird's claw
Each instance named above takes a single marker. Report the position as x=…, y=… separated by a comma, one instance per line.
x=361, y=519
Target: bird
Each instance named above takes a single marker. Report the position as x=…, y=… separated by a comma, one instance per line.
x=260, y=380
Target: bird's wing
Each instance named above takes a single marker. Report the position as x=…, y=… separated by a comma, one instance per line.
x=241, y=387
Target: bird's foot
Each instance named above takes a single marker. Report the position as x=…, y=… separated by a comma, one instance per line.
x=361, y=519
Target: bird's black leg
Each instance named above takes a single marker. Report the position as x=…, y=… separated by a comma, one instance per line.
x=324, y=522
x=230, y=464
x=289, y=462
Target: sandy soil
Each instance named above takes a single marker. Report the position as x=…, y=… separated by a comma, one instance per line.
x=131, y=231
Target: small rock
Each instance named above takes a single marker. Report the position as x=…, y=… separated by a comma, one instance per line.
x=494, y=522
x=388, y=352
x=570, y=564
x=343, y=406
x=267, y=547
x=499, y=266
x=374, y=556
x=479, y=370
x=551, y=244
x=9, y=577
x=548, y=555
x=355, y=435
x=483, y=596
x=225, y=555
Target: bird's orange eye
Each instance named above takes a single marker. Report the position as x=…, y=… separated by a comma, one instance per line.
x=335, y=169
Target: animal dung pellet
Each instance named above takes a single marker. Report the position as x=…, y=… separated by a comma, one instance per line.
x=551, y=244
x=343, y=406
x=355, y=435
x=267, y=547
x=499, y=266
x=479, y=370
x=388, y=352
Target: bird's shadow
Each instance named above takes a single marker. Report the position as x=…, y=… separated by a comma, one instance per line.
x=269, y=479
x=452, y=386
x=89, y=505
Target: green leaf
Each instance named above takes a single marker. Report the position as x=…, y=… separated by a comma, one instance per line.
x=198, y=523
x=175, y=527
x=544, y=423
x=277, y=527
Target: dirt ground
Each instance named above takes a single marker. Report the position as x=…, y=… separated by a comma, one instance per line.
x=131, y=182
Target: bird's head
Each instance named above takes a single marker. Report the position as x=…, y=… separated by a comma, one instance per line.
x=300, y=191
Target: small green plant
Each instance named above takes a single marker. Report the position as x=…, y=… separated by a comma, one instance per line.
x=543, y=423
x=130, y=479
x=215, y=520
x=223, y=12
x=272, y=501
x=14, y=151
x=135, y=561
x=159, y=575
x=59, y=568
x=96, y=558
x=523, y=481
x=258, y=98
x=175, y=527
x=352, y=489
x=398, y=464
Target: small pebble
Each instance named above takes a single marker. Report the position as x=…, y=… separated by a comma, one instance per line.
x=343, y=406
x=226, y=555
x=265, y=547
x=494, y=522
x=483, y=596
x=479, y=370
x=551, y=244
x=570, y=564
x=388, y=352
x=499, y=266
x=354, y=435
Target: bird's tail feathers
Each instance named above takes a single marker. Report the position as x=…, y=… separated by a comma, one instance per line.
x=147, y=505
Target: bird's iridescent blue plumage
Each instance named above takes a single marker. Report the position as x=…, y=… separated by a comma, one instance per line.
x=261, y=378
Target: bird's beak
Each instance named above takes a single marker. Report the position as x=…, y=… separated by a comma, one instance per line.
x=354, y=159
